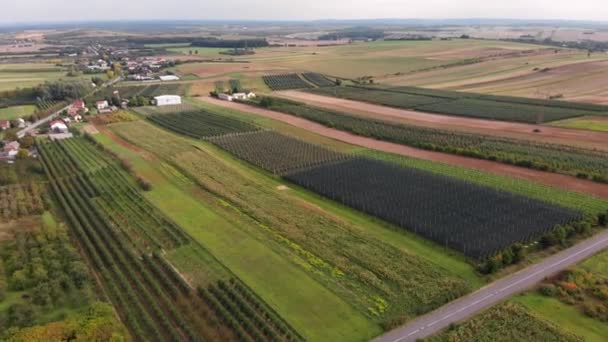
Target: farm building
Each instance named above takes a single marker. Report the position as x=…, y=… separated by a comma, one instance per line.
x=59, y=126
x=102, y=105
x=243, y=96
x=167, y=78
x=168, y=100
x=5, y=124
x=225, y=97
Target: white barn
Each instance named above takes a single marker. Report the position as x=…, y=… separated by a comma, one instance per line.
x=168, y=100
x=168, y=78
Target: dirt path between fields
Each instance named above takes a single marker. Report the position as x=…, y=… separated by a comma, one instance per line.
x=122, y=142
x=551, y=179
x=548, y=134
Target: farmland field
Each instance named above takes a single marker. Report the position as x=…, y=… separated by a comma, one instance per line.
x=153, y=299
x=282, y=219
x=556, y=158
x=588, y=123
x=201, y=124
x=506, y=322
x=275, y=152
x=151, y=90
x=285, y=82
x=487, y=221
x=15, y=112
x=311, y=308
x=318, y=79
x=466, y=104
x=14, y=76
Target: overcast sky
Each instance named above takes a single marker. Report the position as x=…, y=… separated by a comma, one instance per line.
x=77, y=10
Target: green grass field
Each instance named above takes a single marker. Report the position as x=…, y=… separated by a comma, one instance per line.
x=564, y=316
x=15, y=112
x=506, y=322
x=588, y=123
x=202, y=51
x=597, y=264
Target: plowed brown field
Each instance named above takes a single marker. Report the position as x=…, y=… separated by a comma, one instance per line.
x=547, y=134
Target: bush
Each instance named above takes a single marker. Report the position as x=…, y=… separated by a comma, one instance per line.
x=144, y=184
x=548, y=290
x=603, y=219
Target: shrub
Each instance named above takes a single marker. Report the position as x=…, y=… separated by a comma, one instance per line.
x=548, y=290
x=144, y=184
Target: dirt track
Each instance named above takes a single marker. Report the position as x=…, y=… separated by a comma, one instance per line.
x=551, y=179
x=548, y=134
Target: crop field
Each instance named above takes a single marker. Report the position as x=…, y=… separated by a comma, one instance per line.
x=592, y=123
x=285, y=82
x=318, y=79
x=151, y=90
x=579, y=162
x=478, y=223
x=276, y=152
x=502, y=108
x=155, y=302
x=201, y=124
x=505, y=323
x=15, y=112
x=171, y=109
x=379, y=280
x=14, y=76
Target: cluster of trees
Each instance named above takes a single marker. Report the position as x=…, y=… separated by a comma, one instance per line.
x=63, y=90
x=585, y=290
x=98, y=323
x=231, y=44
x=44, y=264
x=17, y=97
x=356, y=33
x=561, y=235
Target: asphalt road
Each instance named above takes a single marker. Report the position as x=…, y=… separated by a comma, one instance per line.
x=498, y=291
x=40, y=122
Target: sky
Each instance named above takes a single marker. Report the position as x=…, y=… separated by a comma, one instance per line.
x=85, y=10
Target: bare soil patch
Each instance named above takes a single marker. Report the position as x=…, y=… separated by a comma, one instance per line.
x=594, y=140
x=546, y=178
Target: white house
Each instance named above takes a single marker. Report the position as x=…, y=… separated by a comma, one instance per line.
x=102, y=105
x=243, y=96
x=59, y=126
x=225, y=97
x=167, y=78
x=168, y=100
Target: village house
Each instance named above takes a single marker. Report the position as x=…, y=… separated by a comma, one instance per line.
x=5, y=124
x=58, y=126
x=243, y=96
x=11, y=149
x=76, y=109
x=102, y=106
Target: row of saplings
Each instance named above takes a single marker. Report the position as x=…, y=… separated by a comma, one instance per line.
x=244, y=314
x=561, y=235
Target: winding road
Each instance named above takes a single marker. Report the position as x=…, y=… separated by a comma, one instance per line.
x=500, y=290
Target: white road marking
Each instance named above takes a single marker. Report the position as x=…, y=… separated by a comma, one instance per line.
x=542, y=269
